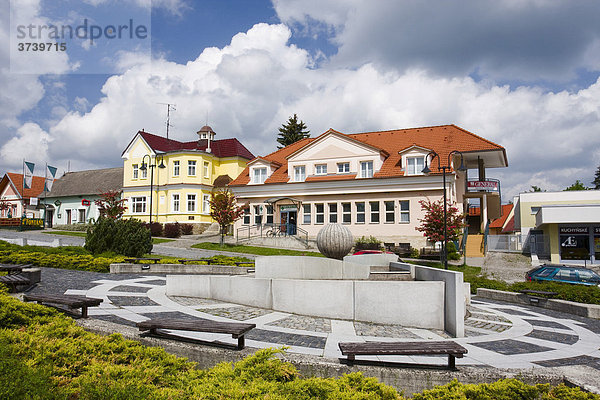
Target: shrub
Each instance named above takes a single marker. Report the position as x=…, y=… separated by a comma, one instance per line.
x=452, y=253
x=367, y=243
x=127, y=237
x=172, y=230
x=414, y=253
x=156, y=228
x=187, y=229
x=73, y=227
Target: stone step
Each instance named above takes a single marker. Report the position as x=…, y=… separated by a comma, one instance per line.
x=390, y=276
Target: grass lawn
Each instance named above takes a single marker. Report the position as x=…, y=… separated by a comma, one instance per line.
x=261, y=251
x=82, y=234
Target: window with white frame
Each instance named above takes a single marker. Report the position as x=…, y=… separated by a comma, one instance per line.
x=404, y=211
x=206, y=204
x=260, y=175
x=319, y=213
x=175, y=168
x=246, y=219
x=374, y=211
x=415, y=165
x=138, y=205
x=136, y=172
x=306, y=213
x=333, y=213
x=360, y=212
x=346, y=213
x=191, y=168
x=366, y=169
x=390, y=212
x=175, y=202
x=300, y=173
x=145, y=172
x=269, y=214
x=81, y=218
x=343, y=167
x=321, y=169
x=206, y=169
x=257, y=214
x=191, y=203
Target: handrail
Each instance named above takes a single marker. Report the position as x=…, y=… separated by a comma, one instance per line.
x=485, y=237
x=270, y=229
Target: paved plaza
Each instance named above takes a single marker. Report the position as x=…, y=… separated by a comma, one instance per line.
x=500, y=335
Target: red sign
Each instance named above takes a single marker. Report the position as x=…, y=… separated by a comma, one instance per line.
x=482, y=185
x=85, y=202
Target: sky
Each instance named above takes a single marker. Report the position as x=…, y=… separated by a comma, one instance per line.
x=522, y=73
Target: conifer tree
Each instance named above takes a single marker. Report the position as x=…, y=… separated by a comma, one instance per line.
x=596, y=181
x=291, y=132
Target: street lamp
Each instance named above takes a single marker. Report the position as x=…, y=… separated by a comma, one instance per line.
x=426, y=170
x=144, y=167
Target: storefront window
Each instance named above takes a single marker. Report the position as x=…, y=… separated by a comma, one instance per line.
x=574, y=243
x=597, y=243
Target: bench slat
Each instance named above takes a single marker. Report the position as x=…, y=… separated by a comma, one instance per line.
x=71, y=301
x=14, y=279
x=402, y=348
x=233, y=328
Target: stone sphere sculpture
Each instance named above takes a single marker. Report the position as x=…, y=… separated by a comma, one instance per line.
x=335, y=241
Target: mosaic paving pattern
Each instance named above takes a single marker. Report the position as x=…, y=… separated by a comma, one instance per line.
x=553, y=336
x=593, y=362
x=194, y=301
x=514, y=312
x=289, y=339
x=123, y=301
x=239, y=313
x=490, y=326
x=545, y=324
x=510, y=347
x=305, y=323
x=395, y=331
x=131, y=289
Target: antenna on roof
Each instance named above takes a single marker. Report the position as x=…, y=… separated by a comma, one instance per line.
x=170, y=106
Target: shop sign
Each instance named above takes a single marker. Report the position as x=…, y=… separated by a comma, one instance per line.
x=288, y=208
x=583, y=230
x=85, y=202
x=487, y=185
x=33, y=201
x=597, y=230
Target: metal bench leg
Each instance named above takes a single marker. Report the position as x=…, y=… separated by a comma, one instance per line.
x=84, y=312
x=451, y=361
x=241, y=342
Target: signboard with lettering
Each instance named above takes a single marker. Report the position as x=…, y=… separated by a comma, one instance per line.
x=483, y=185
x=597, y=230
x=582, y=230
x=31, y=223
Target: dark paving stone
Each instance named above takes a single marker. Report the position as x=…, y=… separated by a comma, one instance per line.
x=170, y=315
x=157, y=282
x=131, y=301
x=509, y=347
x=580, y=360
x=514, y=312
x=115, y=319
x=546, y=324
x=553, y=336
x=131, y=289
x=289, y=339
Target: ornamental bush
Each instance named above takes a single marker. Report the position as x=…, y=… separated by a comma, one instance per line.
x=172, y=230
x=156, y=228
x=128, y=237
x=367, y=243
x=187, y=229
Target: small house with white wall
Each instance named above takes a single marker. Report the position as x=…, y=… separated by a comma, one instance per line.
x=72, y=198
x=21, y=201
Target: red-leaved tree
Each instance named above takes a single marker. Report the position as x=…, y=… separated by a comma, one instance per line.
x=224, y=210
x=432, y=225
x=111, y=205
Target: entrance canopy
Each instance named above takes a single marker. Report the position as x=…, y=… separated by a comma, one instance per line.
x=568, y=214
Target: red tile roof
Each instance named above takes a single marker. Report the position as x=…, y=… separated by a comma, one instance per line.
x=499, y=222
x=441, y=139
x=220, y=148
x=37, y=185
x=510, y=225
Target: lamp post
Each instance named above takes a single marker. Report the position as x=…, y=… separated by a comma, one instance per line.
x=442, y=168
x=144, y=167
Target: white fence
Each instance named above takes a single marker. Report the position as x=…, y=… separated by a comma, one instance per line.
x=505, y=243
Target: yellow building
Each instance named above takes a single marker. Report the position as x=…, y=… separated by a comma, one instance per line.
x=180, y=175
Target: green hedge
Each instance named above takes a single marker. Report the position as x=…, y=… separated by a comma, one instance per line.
x=44, y=355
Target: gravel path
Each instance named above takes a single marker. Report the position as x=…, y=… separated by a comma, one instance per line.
x=509, y=267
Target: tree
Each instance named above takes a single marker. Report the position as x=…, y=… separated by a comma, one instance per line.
x=432, y=225
x=224, y=210
x=596, y=181
x=536, y=189
x=111, y=205
x=292, y=132
x=578, y=185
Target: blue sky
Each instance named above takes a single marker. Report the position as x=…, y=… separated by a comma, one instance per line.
x=521, y=73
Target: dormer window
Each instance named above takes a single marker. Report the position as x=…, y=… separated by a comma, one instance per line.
x=260, y=175
x=321, y=169
x=415, y=165
x=343, y=167
x=366, y=169
x=300, y=173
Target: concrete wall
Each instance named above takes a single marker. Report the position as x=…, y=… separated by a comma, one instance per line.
x=294, y=267
x=319, y=298
x=372, y=259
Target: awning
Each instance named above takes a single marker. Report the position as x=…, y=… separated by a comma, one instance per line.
x=568, y=214
x=274, y=200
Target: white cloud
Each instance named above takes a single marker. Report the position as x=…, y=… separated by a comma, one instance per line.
x=250, y=87
x=30, y=143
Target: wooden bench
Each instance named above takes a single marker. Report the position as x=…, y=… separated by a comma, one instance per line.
x=13, y=268
x=206, y=260
x=67, y=300
x=14, y=280
x=236, y=329
x=452, y=349
x=142, y=259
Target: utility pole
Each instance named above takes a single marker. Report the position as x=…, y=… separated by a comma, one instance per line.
x=170, y=106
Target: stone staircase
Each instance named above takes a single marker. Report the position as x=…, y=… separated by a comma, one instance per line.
x=474, y=247
x=381, y=273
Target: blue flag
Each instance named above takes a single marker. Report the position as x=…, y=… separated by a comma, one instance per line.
x=27, y=174
x=50, y=175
